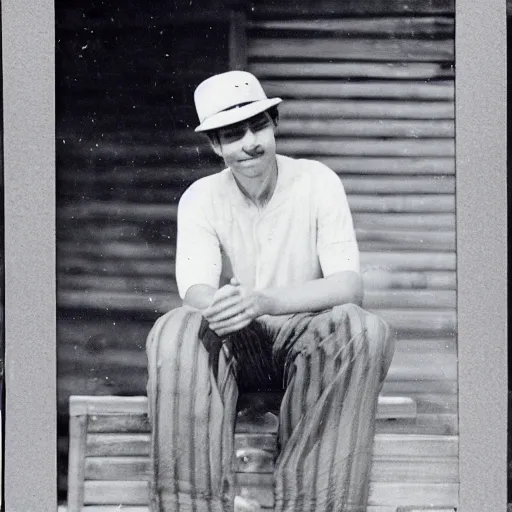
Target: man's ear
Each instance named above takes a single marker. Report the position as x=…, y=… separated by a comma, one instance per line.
x=215, y=144
x=276, y=120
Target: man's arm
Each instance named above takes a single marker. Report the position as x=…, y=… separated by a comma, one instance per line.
x=339, y=288
x=234, y=307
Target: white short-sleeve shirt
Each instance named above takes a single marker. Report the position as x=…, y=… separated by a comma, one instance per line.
x=304, y=232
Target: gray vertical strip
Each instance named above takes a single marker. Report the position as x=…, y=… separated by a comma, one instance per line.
x=481, y=251
x=29, y=150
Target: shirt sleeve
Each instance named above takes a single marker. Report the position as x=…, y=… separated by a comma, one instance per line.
x=198, y=257
x=336, y=240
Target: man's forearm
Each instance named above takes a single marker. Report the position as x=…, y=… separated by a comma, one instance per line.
x=317, y=295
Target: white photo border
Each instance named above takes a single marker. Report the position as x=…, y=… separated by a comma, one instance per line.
x=28, y=48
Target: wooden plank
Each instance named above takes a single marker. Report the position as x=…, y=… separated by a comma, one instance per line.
x=388, y=446
x=418, y=345
x=425, y=509
x=381, y=493
x=137, y=249
x=432, y=323
x=416, y=470
x=423, y=366
x=385, y=280
x=396, y=408
x=130, y=175
x=405, y=221
x=117, y=468
x=108, y=405
x=115, y=508
x=119, y=423
x=237, y=39
x=406, y=470
x=117, y=445
x=427, y=299
x=402, y=203
x=269, y=9
x=377, y=184
x=432, y=403
x=373, y=240
x=390, y=26
x=117, y=210
x=367, y=147
x=117, y=283
x=438, y=494
x=386, y=70
x=99, y=385
x=391, y=128
x=98, y=334
x=76, y=467
x=402, y=90
x=390, y=165
x=323, y=48
x=138, y=154
x=421, y=261
x=424, y=424
x=75, y=358
x=361, y=109
x=409, y=385
x=153, y=303
x=138, y=267
x=116, y=493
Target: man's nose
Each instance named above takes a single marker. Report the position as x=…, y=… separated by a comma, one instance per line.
x=249, y=139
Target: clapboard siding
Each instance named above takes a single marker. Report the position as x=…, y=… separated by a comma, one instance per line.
x=373, y=98
x=368, y=89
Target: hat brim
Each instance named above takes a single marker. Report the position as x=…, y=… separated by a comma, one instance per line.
x=237, y=114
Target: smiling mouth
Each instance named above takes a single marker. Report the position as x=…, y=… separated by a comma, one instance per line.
x=255, y=157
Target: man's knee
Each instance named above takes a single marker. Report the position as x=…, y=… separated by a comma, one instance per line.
x=381, y=340
x=354, y=321
x=170, y=330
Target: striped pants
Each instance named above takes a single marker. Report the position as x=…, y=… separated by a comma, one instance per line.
x=331, y=365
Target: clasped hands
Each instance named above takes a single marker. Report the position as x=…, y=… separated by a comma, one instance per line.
x=234, y=307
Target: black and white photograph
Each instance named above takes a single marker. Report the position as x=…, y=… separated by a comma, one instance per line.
x=256, y=256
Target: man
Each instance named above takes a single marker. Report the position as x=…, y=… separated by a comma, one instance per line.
x=268, y=269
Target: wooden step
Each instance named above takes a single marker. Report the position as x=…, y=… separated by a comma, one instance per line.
x=395, y=407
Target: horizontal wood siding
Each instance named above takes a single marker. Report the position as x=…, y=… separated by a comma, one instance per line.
x=373, y=98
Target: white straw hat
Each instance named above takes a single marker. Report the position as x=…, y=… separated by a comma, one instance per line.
x=228, y=98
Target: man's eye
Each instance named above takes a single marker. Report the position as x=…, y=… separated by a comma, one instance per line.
x=234, y=134
x=259, y=125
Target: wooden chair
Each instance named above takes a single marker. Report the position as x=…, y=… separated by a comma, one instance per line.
x=109, y=456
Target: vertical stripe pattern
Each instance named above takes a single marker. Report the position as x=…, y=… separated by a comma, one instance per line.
x=331, y=365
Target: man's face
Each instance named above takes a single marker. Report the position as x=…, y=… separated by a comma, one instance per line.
x=248, y=147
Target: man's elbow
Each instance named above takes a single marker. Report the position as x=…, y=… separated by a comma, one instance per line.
x=350, y=286
x=357, y=289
